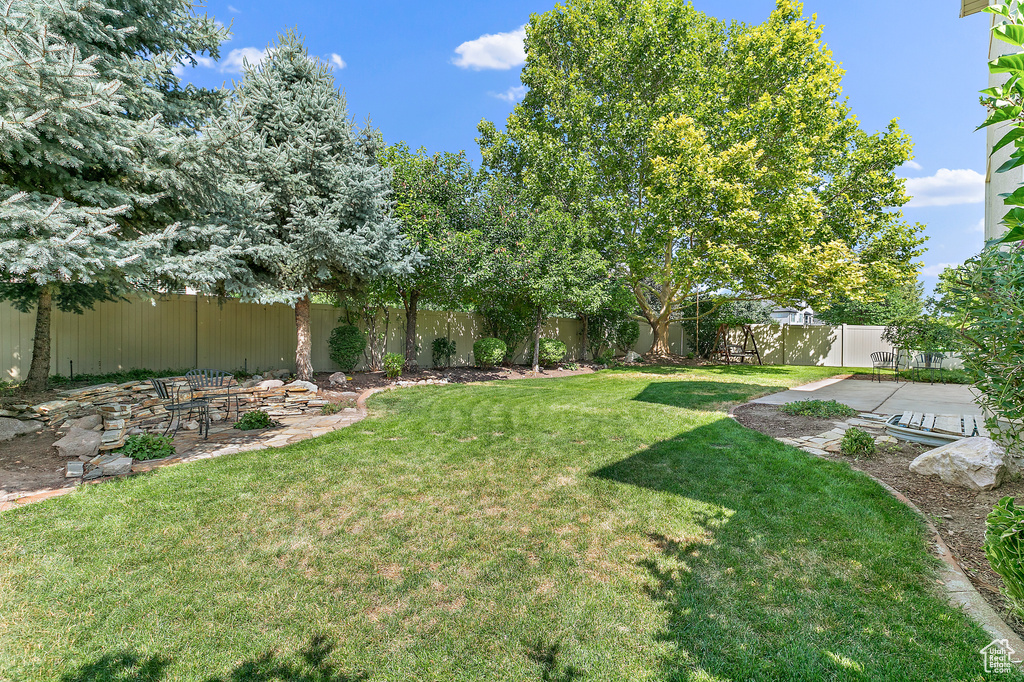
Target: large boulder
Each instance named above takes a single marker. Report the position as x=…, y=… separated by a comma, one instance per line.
x=79, y=443
x=91, y=422
x=338, y=379
x=9, y=428
x=270, y=383
x=973, y=463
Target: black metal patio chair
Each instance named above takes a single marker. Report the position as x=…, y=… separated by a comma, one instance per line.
x=928, y=362
x=211, y=384
x=884, y=361
x=176, y=407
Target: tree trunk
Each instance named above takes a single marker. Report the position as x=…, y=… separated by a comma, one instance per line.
x=586, y=334
x=304, y=348
x=410, y=328
x=39, y=370
x=659, y=345
x=536, y=341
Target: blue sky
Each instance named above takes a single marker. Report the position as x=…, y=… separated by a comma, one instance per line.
x=428, y=72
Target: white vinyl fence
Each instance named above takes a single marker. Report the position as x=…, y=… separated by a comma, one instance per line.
x=179, y=331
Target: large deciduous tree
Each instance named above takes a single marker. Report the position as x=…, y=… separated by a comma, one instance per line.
x=93, y=135
x=535, y=258
x=707, y=157
x=328, y=217
x=433, y=199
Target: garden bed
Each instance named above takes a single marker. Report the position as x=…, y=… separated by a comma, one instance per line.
x=958, y=514
x=456, y=375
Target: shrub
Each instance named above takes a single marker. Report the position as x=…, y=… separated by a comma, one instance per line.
x=489, y=352
x=442, y=350
x=552, y=351
x=257, y=419
x=331, y=408
x=606, y=357
x=823, y=409
x=857, y=442
x=625, y=334
x=1004, y=547
x=571, y=366
x=393, y=363
x=148, y=446
x=346, y=345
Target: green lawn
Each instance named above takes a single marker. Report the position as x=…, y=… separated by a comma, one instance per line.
x=615, y=526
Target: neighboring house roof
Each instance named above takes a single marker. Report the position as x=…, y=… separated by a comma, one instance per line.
x=968, y=7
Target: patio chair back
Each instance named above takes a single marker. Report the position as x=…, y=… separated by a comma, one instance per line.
x=161, y=388
x=883, y=358
x=929, y=360
x=199, y=379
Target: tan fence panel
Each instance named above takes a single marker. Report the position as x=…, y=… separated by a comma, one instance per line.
x=861, y=342
x=178, y=331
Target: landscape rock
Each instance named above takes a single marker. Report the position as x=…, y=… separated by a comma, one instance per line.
x=632, y=356
x=338, y=379
x=298, y=385
x=121, y=465
x=74, y=469
x=270, y=383
x=191, y=425
x=88, y=423
x=973, y=463
x=9, y=428
x=79, y=443
x=280, y=373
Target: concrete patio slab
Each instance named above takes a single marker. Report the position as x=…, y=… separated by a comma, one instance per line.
x=885, y=397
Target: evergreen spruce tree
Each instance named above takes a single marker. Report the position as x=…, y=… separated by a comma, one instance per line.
x=99, y=159
x=328, y=216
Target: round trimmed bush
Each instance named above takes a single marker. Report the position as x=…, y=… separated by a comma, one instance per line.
x=489, y=352
x=552, y=351
x=346, y=345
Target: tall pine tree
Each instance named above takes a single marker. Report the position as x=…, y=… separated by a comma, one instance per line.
x=96, y=135
x=328, y=215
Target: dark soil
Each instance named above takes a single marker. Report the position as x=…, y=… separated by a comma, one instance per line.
x=30, y=463
x=959, y=514
x=768, y=419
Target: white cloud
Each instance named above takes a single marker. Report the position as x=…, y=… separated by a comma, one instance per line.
x=913, y=165
x=936, y=270
x=337, y=62
x=234, y=10
x=493, y=51
x=513, y=94
x=947, y=188
x=978, y=226
x=239, y=57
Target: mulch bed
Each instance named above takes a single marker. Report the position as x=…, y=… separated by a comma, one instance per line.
x=959, y=514
x=456, y=375
x=30, y=462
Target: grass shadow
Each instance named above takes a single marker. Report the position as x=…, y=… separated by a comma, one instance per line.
x=698, y=395
x=795, y=569
x=311, y=664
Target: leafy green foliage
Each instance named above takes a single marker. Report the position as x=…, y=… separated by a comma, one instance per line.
x=147, y=446
x=552, y=351
x=393, y=363
x=510, y=321
x=713, y=312
x=489, y=352
x=766, y=187
x=923, y=333
x=257, y=419
x=442, y=352
x=1004, y=547
x=823, y=409
x=985, y=300
x=346, y=345
x=135, y=374
x=899, y=304
x=857, y=442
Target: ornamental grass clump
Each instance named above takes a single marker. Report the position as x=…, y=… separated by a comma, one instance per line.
x=1004, y=547
x=823, y=409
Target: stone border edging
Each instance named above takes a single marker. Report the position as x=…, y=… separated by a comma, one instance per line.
x=958, y=587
